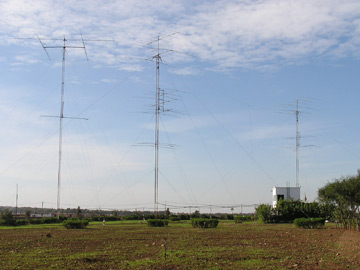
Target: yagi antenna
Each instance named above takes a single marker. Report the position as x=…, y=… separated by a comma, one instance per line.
x=298, y=145
x=159, y=107
x=61, y=116
x=42, y=44
x=84, y=46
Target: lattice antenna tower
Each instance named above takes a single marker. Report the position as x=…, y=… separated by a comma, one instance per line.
x=159, y=108
x=61, y=116
x=298, y=137
x=297, y=111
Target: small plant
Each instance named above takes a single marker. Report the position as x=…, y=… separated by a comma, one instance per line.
x=175, y=219
x=242, y=218
x=157, y=222
x=204, y=223
x=309, y=223
x=75, y=223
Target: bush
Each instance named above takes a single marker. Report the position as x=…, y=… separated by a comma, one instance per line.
x=133, y=217
x=309, y=223
x=97, y=218
x=175, y=219
x=241, y=219
x=35, y=221
x=229, y=217
x=75, y=223
x=157, y=222
x=49, y=220
x=21, y=222
x=7, y=218
x=204, y=223
x=112, y=218
x=184, y=217
x=264, y=213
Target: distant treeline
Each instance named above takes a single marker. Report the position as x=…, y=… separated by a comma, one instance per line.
x=8, y=219
x=96, y=212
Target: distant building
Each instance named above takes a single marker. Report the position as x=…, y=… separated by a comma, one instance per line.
x=40, y=215
x=285, y=193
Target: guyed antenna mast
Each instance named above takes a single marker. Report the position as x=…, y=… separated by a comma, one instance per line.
x=298, y=138
x=61, y=116
x=159, y=107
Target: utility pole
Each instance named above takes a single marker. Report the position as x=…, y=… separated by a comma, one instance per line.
x=297, y=143
x=17, y=198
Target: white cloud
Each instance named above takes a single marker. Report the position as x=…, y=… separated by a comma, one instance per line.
x=229, y=34
x=24, y=59
x=131, y=67
x=267, y=132
x=185, y=71
x=108, y=80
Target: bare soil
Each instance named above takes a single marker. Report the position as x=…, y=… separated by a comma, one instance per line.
x=120, y=245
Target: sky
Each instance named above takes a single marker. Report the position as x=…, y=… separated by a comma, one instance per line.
x=231, y=73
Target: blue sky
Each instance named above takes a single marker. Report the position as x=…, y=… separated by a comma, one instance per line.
x=232, y=85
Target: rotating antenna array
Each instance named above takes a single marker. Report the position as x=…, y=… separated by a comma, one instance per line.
x=64, y=46
x=159, y=109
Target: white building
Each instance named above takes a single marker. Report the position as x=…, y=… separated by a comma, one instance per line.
x=40, y=215
x=285, y=193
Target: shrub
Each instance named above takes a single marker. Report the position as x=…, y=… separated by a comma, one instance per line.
x=49, y=220
x=148, y=216
x=157, y=222
x=7, y=218
x=97, y=218
x=243, y=218
x=184, y=217
x=229, y=217
x=204, y=223
x=133, y=217
x=35, y=221
x=112, y=218
x=264, y=213
x=311, y=223
x=75, y=223
x=175, y=219
x=21, y=222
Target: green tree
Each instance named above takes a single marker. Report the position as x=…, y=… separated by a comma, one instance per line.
x=167, y=213
x=7, y=218
x=344, y=194
x=288, y=210
x=196, y=214
x=27, y=214
x=78, y=212
x=264, y=213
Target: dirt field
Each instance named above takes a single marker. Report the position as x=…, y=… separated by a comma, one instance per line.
x=135, y=246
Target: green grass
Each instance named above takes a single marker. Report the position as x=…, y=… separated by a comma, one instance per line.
x=32, y=226
x=134, y=245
